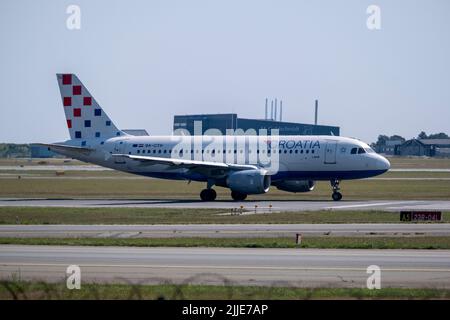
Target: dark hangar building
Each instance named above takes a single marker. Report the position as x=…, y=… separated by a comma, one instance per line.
x=225, y=121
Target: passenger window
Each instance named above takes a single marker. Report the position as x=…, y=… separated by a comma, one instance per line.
x=354, y=150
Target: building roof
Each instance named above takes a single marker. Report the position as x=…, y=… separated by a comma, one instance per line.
x=435, y=141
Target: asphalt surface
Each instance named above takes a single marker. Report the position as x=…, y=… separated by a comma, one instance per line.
x=222, y=230
x=262, y=206
x=271, y=267
x=93, y=167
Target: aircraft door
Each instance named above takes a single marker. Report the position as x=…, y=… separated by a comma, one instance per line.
x=330, y=152
x=119, y=148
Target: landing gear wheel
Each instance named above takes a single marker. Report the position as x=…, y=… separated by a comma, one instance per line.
x=336, y=196
x=237, y=196
x=208, y=195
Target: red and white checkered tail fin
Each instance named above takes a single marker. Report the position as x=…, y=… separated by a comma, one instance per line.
x=85, y=118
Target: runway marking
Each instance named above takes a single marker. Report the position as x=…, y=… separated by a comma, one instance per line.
x=223, y=267
x=370, y=204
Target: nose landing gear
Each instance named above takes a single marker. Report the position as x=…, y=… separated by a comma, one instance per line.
x=336, y=194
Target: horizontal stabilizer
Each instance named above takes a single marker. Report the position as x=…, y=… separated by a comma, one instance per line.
x=64, y=149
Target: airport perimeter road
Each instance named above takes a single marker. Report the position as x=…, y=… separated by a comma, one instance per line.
x=222, y=230
x=272, y=267
x=263, y=206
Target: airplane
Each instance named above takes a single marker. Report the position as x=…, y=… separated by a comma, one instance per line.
x=296, y=162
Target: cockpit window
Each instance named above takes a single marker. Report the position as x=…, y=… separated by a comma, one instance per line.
x=369, y=150
x=358, y=151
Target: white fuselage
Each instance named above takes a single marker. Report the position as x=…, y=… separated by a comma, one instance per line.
x=285, y=157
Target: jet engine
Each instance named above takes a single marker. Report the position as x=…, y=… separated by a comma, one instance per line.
x=295, y=185
x=252, y=181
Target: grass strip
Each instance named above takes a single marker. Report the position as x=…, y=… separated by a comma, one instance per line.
x=307, y=242
x=45, y=291
x=84, y=216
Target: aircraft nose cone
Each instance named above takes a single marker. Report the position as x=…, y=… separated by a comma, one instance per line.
x=383, y=164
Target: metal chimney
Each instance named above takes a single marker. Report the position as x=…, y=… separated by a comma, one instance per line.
x=266, y=110
x=317, y=110
x=271, y=110
x=281, y=110
x=276, y=105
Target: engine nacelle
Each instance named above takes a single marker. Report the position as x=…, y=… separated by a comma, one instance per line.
x=295, y=185
x=252, y=181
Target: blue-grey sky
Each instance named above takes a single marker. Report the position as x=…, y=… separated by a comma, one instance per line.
x=145, y=61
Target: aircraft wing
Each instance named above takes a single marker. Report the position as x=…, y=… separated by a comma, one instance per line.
x=194, y=165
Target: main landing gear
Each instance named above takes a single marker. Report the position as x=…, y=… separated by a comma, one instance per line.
x=237, y=196
x=208, y=195
x=336, y=194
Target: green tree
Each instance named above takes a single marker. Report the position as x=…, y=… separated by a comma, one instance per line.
x=422, y=135
x=440, y=135
x=397, y=137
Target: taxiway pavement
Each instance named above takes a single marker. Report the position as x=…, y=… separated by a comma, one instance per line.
x=262, y=206
x=239, y=266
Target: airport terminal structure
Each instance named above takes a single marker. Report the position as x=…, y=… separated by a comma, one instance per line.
x=231, y=121
x=223, y=124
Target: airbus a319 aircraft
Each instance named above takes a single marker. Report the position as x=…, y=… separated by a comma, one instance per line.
x=296, y=162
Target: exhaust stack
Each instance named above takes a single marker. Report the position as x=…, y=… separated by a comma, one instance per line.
x=316, y=111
